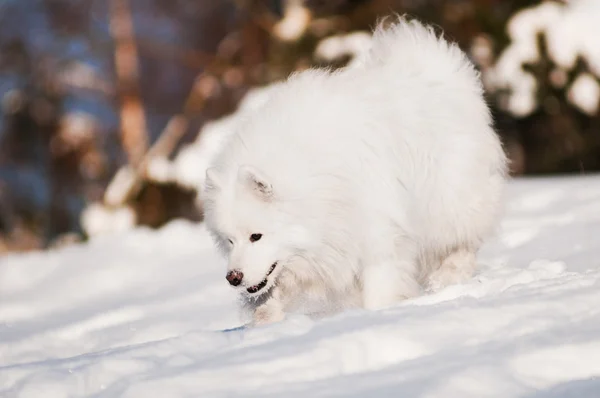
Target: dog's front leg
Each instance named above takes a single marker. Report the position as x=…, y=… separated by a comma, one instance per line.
x=271, y=311
x=281, y=296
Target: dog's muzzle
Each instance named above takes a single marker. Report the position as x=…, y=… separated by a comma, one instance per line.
x=263, y=283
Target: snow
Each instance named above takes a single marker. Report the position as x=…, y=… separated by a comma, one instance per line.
x=570, y=31
x=354, y=44
x=585, y=94
x=295, y=21
x=141, y=313
x=97, y=219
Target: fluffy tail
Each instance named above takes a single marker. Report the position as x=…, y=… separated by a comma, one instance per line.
x=412, y=47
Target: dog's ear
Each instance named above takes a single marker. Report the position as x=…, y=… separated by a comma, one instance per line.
x=254, y=180
x=211, y=180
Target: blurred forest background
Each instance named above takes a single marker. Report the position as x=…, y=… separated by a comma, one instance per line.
x=102, y=101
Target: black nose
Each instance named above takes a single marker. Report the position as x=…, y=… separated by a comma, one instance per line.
x=234, y=277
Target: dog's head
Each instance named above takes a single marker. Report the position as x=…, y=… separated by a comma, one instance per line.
x=248, y=221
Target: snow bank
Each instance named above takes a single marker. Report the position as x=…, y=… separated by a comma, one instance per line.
x=141, y=314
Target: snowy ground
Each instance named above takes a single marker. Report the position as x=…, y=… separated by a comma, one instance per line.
x=139, y=314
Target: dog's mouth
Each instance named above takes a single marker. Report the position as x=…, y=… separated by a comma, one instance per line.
x=263, y=283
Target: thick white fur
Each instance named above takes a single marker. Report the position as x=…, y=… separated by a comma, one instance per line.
x=370, y=184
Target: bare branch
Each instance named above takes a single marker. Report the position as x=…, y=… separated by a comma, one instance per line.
x=133, y=124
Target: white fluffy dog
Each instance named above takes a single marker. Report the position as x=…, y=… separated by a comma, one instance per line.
x=363, y=186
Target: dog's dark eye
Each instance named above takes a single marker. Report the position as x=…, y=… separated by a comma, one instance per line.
x=230, y=241
x=255, y=237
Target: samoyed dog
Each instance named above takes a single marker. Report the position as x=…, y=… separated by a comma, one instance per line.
x=359, y=187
